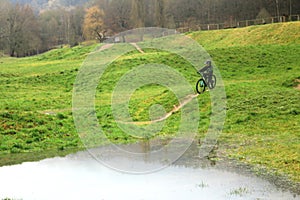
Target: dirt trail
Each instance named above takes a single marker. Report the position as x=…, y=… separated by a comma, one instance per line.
x=298, y=86
x=167, y=115
x=106, y=46
x=138, y=48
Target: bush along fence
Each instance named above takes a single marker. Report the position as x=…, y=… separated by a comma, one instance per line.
x=240, y=24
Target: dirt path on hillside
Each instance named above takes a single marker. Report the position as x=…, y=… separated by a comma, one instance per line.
x=167, y=115
x=298, y=86
x=106, y=46
x=138, y=48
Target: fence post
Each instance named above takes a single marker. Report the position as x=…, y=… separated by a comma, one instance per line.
x=298, y=17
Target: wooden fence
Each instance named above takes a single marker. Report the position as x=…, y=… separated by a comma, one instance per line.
x=239, y=24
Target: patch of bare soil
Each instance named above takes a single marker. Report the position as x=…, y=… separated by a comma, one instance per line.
x=106, y=46
x=298, y=86
x=138, y=48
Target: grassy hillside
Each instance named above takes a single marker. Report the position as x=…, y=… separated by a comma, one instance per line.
x=35, y=102
x=259, y=66
x=280, y=33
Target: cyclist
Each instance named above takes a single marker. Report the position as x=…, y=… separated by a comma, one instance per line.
x=207, y=71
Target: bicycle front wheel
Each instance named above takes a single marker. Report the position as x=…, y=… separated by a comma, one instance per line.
x=200, y=86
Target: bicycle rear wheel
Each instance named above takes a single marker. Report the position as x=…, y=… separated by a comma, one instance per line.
x=212, y=83
x=200, y=86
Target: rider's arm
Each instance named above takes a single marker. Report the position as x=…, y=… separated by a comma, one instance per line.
x=203, y=69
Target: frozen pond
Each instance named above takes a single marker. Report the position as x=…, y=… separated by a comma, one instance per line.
x=79, y=176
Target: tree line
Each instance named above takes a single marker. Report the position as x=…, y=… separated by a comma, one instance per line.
x=26, y=31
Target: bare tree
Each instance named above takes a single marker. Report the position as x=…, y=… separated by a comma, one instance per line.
x=19, y=30
x=138, y=13
x=118, y=16
x=277, y=8
x=160, y=13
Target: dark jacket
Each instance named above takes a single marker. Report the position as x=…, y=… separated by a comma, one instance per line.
x=207, y=69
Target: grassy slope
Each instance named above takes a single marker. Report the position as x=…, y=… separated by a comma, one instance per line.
x=143, y=98
x=258, y=66
x=35, y=105
x=281, y=33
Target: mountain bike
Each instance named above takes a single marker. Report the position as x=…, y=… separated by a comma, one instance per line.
x=206, y=81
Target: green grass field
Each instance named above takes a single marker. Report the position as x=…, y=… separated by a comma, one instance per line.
x=259, y=66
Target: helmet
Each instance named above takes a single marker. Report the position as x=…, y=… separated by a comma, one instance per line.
x=208, y=62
